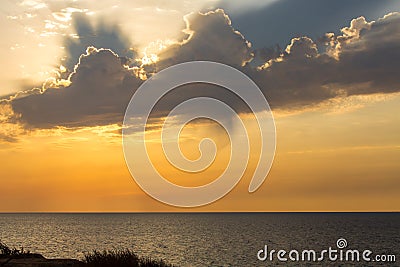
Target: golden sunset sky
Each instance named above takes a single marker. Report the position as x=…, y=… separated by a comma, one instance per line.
x=70, y=68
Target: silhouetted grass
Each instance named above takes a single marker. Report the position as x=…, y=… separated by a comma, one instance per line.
x=122, y=258
x=112, y=258
x=6, y=251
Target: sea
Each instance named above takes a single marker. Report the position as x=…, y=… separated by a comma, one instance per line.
x=212, y=239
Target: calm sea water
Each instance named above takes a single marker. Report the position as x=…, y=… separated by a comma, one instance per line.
x=205, y=239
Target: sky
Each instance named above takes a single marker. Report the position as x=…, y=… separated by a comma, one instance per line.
x=329, y=70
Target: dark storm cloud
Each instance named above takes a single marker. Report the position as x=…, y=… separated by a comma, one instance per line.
x=363, y=59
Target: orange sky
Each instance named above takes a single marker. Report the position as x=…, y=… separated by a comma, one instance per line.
x=326, y=160
x=70, y=66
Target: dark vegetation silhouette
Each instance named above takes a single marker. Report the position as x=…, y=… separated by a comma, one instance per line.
x=106, y=258
x=121, y=258
x=7, y=252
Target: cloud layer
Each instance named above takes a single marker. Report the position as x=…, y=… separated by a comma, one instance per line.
x=210, y=37
x=101, y=87
x=363, y=59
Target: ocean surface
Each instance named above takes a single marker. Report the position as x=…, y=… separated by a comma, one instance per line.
x=204, y=239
